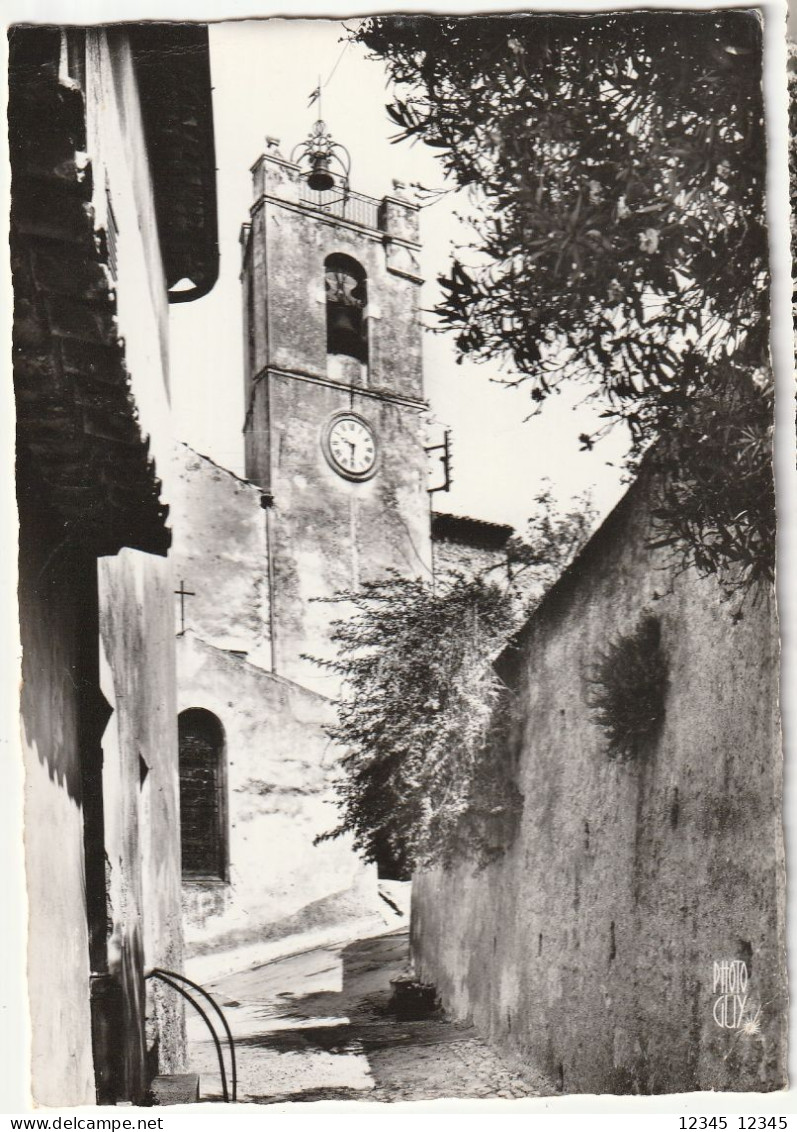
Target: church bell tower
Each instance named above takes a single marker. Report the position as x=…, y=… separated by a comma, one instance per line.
x=334, y=396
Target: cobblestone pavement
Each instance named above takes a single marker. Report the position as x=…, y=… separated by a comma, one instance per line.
x=317, y=1026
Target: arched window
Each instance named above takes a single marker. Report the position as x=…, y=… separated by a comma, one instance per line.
x=347, y=297
x=203, y=819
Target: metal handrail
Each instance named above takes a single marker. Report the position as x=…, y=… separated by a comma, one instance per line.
x=353, y=206
x=157, y=974
x=207, y=995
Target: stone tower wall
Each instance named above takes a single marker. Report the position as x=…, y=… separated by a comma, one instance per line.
x=327, y=533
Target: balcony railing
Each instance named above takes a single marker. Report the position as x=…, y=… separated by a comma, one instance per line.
x=356, y=207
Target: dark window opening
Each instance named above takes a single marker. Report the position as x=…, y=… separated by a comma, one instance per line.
x=202, y=795
x=347, y=298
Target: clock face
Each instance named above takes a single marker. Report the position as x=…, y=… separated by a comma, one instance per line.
x=350, y=446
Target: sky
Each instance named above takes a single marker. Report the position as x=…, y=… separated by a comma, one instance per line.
x=263, y=72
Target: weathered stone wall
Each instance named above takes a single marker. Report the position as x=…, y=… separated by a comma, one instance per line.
x=453, y=558
x=220, y=552
x=279, y=771
x=142, y=805
x=328, y=533
x=588, y=950
x=290, y=244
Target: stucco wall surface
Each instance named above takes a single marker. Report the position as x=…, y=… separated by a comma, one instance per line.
x=142, y=809
x=123, y=200
x=62, y=1071
x=279, y=770
x=140, y=783
x=132, y=815
x=329, y=534
x=588, y=950
x=220, y=552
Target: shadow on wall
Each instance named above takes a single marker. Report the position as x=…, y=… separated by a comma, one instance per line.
x=62, y=708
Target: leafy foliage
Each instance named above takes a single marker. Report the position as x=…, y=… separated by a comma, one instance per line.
x=617, y=163
x=629, y=686
x=716, y=491
x=417, y=717
x=423, y=718
x=550, y=541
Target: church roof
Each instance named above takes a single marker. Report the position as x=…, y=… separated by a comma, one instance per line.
x=470, y=532
x=76, y=416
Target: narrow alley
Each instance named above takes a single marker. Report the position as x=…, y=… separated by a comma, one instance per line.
x=318, y=1026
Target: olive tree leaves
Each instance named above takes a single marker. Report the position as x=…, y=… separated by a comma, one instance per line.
x=618, y=166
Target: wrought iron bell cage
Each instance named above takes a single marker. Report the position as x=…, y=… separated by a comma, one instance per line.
x=324, y=163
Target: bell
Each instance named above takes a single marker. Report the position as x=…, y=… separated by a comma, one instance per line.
x=344, y=331
x=319, y=179
x=344, y=321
